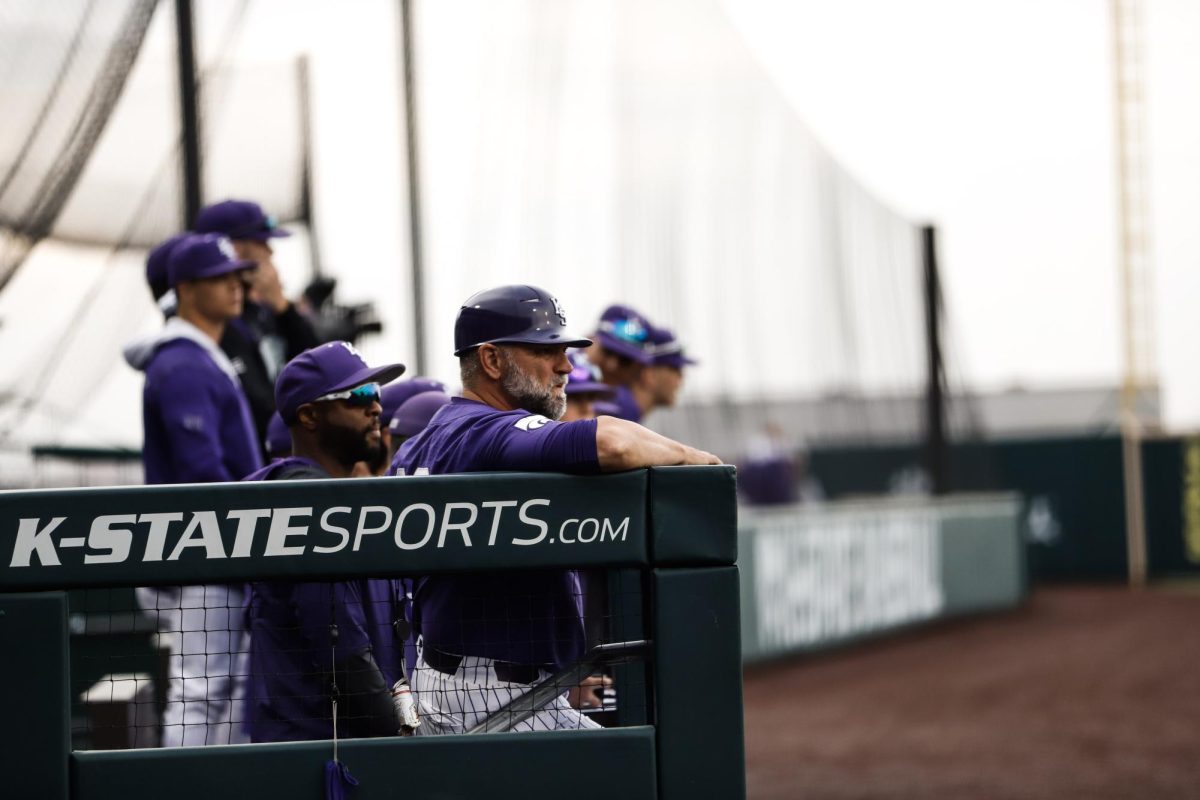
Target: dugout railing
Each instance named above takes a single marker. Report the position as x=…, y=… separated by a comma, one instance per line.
x=675, y=527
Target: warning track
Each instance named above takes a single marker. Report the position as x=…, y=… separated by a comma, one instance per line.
x=1084, y=692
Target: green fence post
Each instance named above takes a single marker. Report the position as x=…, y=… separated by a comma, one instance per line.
x=698, y=684
x=35, y=742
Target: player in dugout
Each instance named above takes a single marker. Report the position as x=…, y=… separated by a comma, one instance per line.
x=198, y=429
x=661, y=381
x=330, y=400
x=623, y=351
x=414, y=414
x=271, y=329
x=473, y=655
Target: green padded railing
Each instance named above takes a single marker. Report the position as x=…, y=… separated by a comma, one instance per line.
x=675, y=524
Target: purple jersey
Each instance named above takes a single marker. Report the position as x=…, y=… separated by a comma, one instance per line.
x=529, y=617
x=291, y=647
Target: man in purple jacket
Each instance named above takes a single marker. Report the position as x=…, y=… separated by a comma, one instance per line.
x=308, y=636
x=486, y=637
x=271, y=329
x=198, y=429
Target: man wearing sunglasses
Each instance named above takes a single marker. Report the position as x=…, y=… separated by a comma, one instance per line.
x=198, y=429
x=330, y=400
x=486, y=637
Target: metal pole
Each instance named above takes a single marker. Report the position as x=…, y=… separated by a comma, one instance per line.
x=306, y=204
x=414, y=187
x=188, y=112
x=1134, y=265
x=935, y=404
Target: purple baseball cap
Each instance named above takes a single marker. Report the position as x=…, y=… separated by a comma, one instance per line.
x=394, y=396
x=666, y=350
x=202, y=255
x=156, y=265
x=279, y=438
x=585, y=376
x=238, y=219
x=322, y=370
x=414, y=413
x=625, y=332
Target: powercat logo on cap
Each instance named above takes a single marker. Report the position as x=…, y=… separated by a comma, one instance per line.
x=558, y=310
x=226, y=248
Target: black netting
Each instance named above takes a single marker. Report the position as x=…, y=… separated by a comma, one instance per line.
x=229, y=663
x=83, y=70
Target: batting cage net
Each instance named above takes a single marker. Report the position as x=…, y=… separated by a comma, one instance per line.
x=264, y=661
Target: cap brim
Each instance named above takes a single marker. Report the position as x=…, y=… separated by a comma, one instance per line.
x=576, y=342
x=222, y=268
x=262, y=236
x=622, y=348
x=677, y=360
x=379, y=375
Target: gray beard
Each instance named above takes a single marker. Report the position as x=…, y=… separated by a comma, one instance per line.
x=529, y=395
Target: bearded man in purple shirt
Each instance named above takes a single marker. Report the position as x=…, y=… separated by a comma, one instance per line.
x=485, y=638
x=305, y=635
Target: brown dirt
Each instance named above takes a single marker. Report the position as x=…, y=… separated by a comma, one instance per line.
x=1081, y=693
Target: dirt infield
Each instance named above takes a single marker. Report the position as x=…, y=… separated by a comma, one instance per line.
x=1084, y=692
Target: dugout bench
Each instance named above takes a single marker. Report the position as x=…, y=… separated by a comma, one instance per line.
x=675, y=527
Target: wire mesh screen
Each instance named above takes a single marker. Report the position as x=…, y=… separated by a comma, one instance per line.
x=234, y=663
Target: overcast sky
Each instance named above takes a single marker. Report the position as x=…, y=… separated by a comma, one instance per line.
x=994, y=120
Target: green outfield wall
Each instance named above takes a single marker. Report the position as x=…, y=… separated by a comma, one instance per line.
x=818, y=576
x=1073, y=501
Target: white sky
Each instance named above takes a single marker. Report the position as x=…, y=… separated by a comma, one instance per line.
x=994, y=120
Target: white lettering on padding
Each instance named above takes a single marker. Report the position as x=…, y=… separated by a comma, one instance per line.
x=30, y=540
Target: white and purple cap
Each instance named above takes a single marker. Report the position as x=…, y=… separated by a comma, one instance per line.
x=414, y=413
x=666, y=350
x=585, y=376
x=203, y=255
x=325, y=369
x=392, y=397
x=624, y=331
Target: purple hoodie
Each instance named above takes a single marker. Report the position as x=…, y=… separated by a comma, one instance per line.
x=196, y=420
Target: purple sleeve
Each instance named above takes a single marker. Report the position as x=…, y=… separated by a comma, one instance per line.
x=555, y=446
x=320, y=605
x=192, y=425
